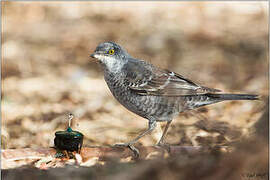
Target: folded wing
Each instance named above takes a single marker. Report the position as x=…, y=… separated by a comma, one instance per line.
x=145, y=79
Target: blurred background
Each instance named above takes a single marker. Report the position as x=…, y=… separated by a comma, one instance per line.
x=47, y=72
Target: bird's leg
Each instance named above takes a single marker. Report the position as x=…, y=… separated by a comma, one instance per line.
x=160, y=142
x=151, y=126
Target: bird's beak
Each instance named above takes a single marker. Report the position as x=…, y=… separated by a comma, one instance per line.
x=92, y=55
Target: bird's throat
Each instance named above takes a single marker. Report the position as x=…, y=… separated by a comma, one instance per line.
x=112, y=64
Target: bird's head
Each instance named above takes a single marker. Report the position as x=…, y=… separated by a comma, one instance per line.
x=109, y=52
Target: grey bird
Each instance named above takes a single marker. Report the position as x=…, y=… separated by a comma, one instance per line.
x=153, y=93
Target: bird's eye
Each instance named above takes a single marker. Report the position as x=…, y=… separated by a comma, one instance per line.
x=111, y=51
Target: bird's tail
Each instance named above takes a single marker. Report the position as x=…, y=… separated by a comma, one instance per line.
x=211, y=98
x=223, y=97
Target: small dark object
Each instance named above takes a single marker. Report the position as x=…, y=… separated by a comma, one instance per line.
x=68, y=140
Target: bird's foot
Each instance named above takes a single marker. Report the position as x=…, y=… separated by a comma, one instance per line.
x=131, y=147
x=160, y=143
x=122, y=144
x=164, y=145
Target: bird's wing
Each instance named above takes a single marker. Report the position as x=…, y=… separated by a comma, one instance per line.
x=145, y=79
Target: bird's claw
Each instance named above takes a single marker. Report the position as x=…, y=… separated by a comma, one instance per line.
x=160, y=143
x=164, y=146
x=131, y=147
x=122, y=145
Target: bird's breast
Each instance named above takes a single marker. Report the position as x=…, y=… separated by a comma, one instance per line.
x=143, y=105
x=120, y=90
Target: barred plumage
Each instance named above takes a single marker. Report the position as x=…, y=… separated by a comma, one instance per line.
x=151, y=92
